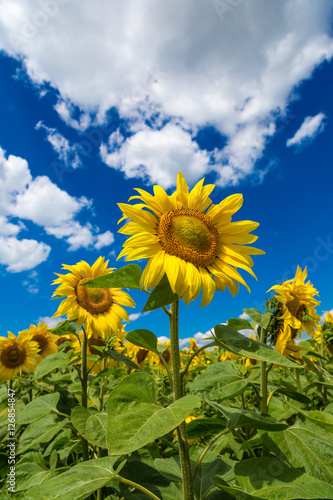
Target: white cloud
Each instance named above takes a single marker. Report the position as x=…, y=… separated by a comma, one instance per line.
x=310, y=128
x=157, y=154
x=163, y=339
x=244, y=316
x=39, y=200
x=22, y=255
x=51, y=322
x=183, y=61
x=135, y=316
x=203, y=338
x=66, y=152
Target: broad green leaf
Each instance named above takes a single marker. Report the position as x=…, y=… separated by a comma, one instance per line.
x=52, y=362
x=96, y=429
x=232, y=492
x=231, y=389
x=41, y=431
x=79, y=417
x=134, y=418
x=30, y=471
x=277, y=443
x=77, y=483
x=37, y=408
x=205, y=473
x=62, y=440
x=203, y=427
x=169, y=467
x=270, y=478
x=213, y=376
x=321, y=419
x=125, y=277
x=318, y=370
x=117, y=356
x=239, y=324
x=261, y=319
x=246, y=418
x=143, y=338
x=243, y=346
x=291, y=393
x=311, y=446
x=162, y=295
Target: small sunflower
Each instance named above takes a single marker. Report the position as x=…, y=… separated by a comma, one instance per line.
x=17, y=355
x=93, y=344
x=70, y=338
x=297, y=299
x=166, y=355
x=99, y=309
x=187, y=241
x=46, y=340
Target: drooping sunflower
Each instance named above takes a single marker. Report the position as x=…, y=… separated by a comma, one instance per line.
x=46, y=340
x=286, y=344
x=99, y=309
x=297, y=299
x=187, y=241
x=17, y=354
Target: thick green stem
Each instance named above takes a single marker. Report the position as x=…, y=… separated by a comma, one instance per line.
x=178, y=392
x=263, y=387
x=84, y=388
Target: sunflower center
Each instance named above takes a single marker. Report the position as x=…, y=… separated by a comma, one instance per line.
x=189, y=235
x=13, y=357
x=294, y=307
x=93, y=300
x=42, y=342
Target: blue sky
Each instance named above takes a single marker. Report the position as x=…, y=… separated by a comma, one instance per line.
x=96, y=101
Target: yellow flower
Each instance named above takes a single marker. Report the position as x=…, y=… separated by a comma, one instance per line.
x=99, y=309
x=249, y=362
x=93, y=344
x=17, y=355
x=228, y=356
x=297, y=298
x=187, y=421
x=155, y=360
x=286, y=345
x=66, y=338
x=46, y=340
x=188, y=241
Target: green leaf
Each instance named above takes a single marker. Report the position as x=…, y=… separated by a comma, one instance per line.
x=121, y=359
x=77, y=483
x=37, y=408
x=30, y=471
x=161, y=296
x=64, y=328
x=261, y=319
x=52, y=362
x=143, y=338
x=79, y=417
x=239, y=324
x=270, y=478
x=232, y=492
x=41, y=431
x=96, y=429
x=247, y=418
x=206, y=471
x=169, y=468
x=134, y=418
x=125, y=277
x=203, y=427
x=243, y=346
x=277, y=443
x=313, y=448
x=214, y=376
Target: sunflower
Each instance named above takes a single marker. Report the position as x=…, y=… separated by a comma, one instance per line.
x=297, y=299
x=286, y=344
x=94, y=343
x=99, y=309
x=166, y=355
x=70, y=338
x=17, y=355
x=46, y=340
x=187, y=241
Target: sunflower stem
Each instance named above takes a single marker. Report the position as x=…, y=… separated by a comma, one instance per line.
x=178, y=392
x=84, y=388
x=298, y=381
x=263, y=387
x=193, y=355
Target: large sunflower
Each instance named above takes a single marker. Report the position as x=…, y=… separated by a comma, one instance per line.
x=99, y=309
x=46, y=340
x=286, y=344
x=297, y=299
x=188, y=241
x=17, y=355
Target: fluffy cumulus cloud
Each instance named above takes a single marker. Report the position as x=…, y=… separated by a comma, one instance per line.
x=67, y=153
x=310, y=128
x=230, y=65
x=24, y=198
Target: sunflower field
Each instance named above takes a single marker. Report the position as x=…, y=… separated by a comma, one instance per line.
x=91, y=409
